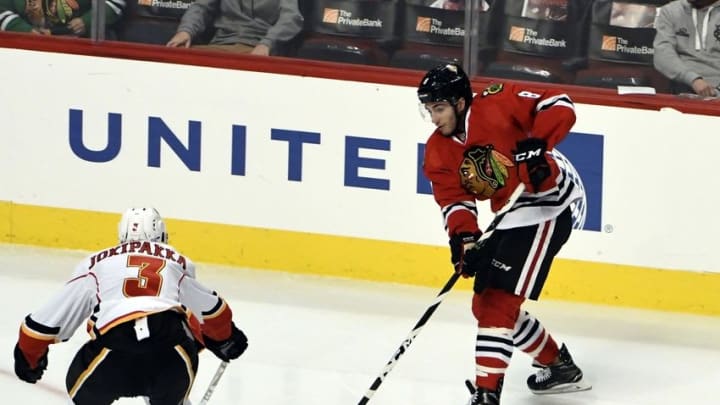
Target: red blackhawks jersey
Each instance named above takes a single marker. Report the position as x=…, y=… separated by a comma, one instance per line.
x=482, y=166
x=120, y=284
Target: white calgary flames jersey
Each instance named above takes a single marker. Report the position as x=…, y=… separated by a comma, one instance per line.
x=122, y=283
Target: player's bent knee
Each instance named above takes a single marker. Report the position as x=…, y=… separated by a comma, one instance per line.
x=496, y=308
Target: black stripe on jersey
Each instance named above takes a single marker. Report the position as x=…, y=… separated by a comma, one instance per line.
x=552, y=203
x=564, y=98
x=554, y=193
x=38, y=327
x=562, y=199
x=541, y=202
x=215, y=308
x=464, y=204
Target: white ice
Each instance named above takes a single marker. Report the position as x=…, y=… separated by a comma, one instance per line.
x=322, y=341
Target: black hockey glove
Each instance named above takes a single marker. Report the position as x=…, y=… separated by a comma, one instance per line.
x=459, y=245
x=230, y=348
x=22, y=367
x=478, y=260
x=533, y=166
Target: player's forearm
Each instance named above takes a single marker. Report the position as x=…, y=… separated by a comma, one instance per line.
x=34, y=339
x=217, y=321
x=459, y=214
x=554, y=125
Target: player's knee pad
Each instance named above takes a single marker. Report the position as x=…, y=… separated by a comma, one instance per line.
x=496, y=308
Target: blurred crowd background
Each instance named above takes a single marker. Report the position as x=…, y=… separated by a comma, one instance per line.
x=598, y=43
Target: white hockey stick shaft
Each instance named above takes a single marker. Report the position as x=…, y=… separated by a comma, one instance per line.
x=431, y=309
x=214, y=382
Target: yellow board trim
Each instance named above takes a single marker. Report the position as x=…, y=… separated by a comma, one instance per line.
x=329, y=255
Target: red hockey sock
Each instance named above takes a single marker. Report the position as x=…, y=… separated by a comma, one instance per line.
x=549, y=353
x=531, y=337
x=496, y=312
x=489, y=382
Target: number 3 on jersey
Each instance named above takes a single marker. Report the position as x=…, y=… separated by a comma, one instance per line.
x=149, y=281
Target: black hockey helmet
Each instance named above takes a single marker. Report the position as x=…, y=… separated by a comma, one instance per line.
x=445, y=83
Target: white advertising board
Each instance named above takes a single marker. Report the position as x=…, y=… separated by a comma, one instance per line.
x=324, y=156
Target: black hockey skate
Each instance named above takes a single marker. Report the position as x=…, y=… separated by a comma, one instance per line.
x=560, y=378
x=484, y=396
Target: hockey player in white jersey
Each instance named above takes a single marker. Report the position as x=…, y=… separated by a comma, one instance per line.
x=147, y=317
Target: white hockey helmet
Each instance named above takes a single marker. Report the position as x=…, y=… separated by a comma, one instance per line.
x=142, y=224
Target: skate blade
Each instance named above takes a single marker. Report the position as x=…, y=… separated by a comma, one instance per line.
x=581, y=385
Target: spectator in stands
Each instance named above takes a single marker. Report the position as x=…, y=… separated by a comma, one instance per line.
x=259, y=27
x=54, y=17
x=687, y=45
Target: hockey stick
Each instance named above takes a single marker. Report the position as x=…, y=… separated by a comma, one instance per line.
x=431, y=309
x=214, y=382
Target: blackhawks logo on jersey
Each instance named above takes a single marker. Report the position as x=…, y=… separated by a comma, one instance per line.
x=484, y=170
x=494, y=88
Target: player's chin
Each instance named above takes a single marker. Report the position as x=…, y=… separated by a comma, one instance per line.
x=445, y=131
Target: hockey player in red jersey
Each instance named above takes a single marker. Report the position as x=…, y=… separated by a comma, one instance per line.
x=146, y=314
x=484, y=146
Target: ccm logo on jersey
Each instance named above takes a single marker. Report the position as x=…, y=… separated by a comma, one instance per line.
x=519, y=157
